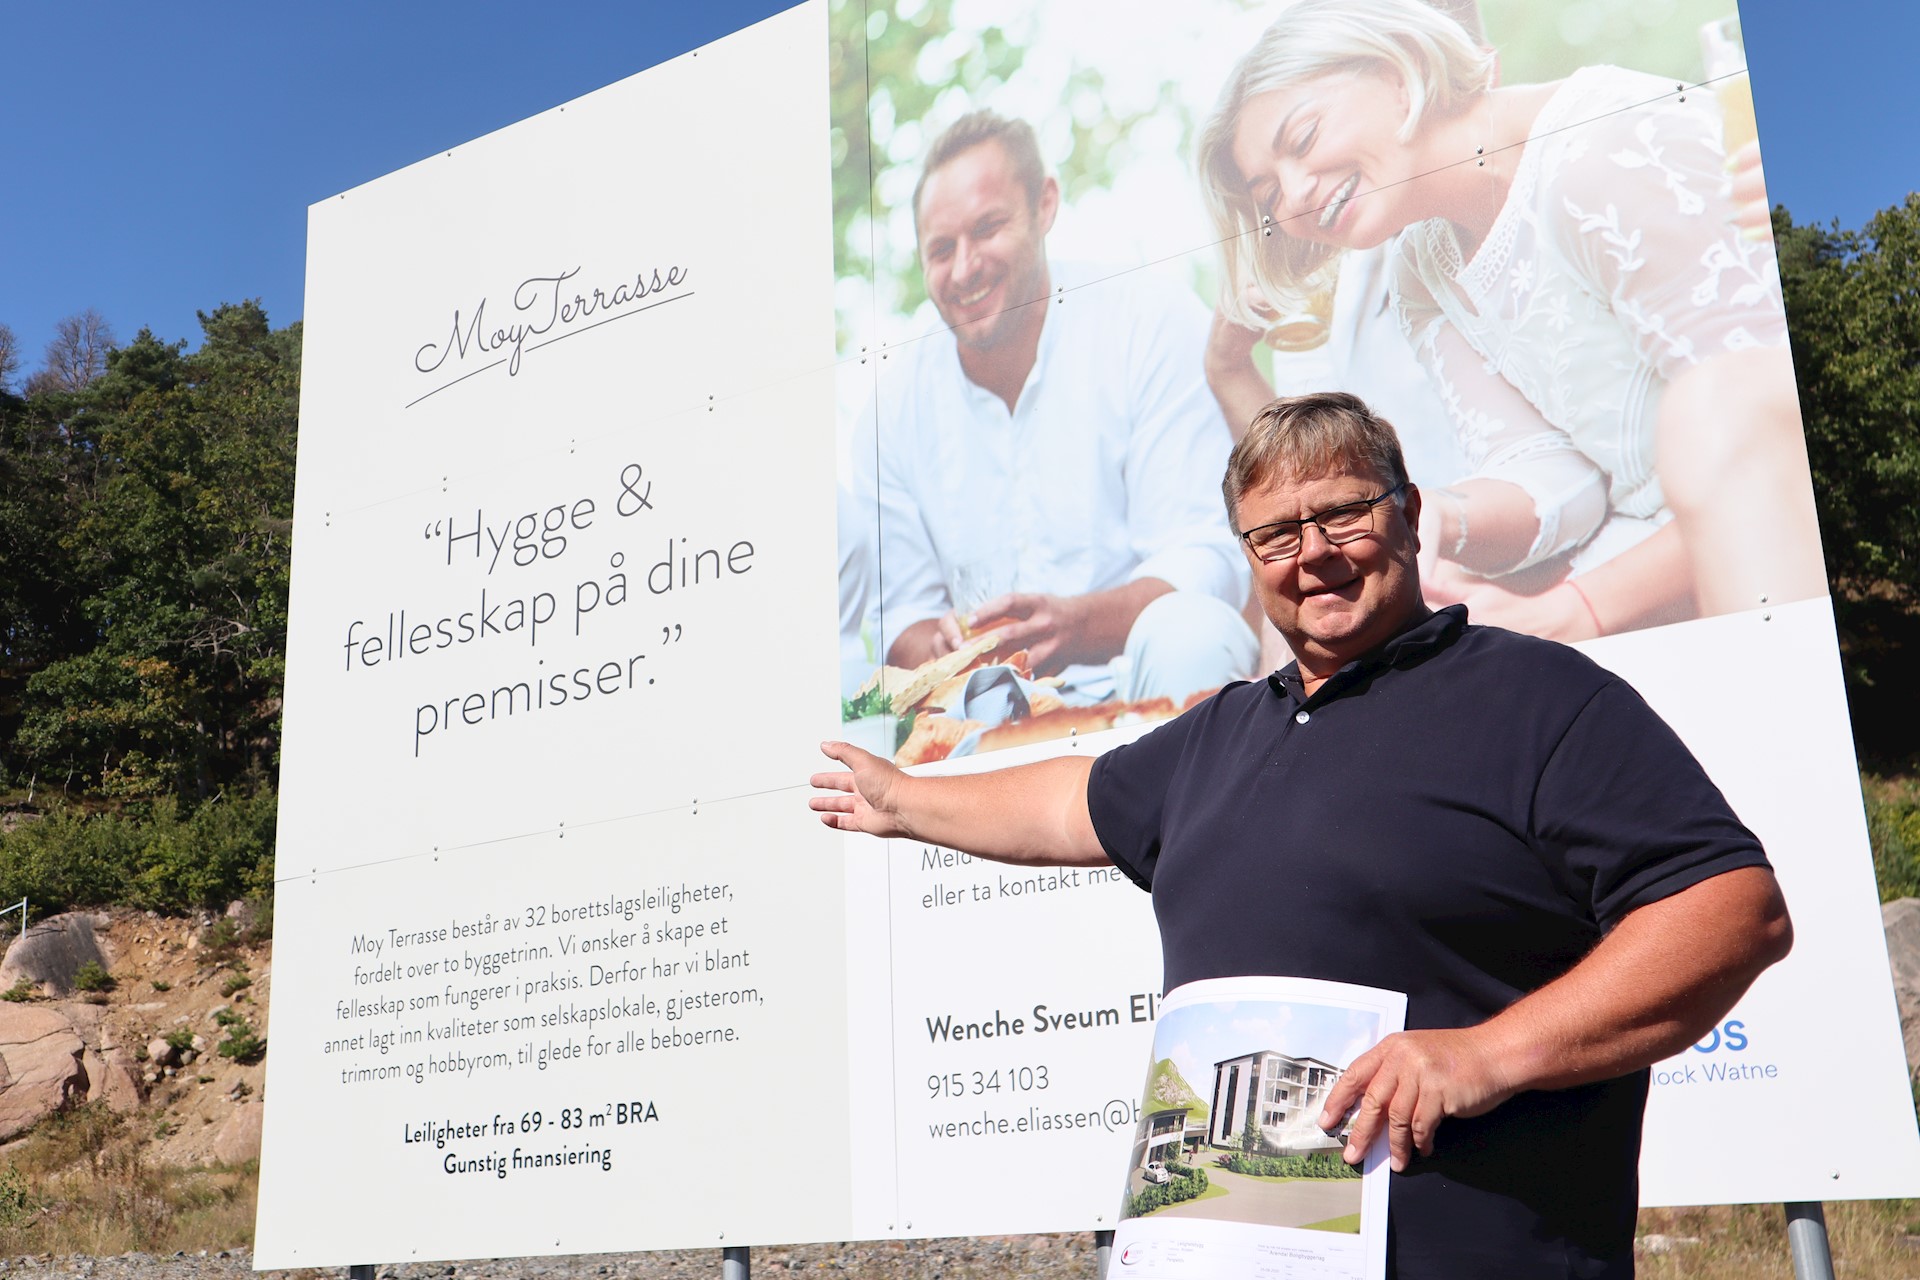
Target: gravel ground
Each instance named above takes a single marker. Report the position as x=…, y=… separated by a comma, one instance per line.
x=1051, y=1257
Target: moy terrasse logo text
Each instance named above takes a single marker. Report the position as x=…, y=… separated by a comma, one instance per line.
x=545, y=309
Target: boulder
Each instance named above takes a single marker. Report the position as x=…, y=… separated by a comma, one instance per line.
x=41, y=1068
x=238, y=1137
x=49, y=953
x=1901, y=919
x=111, y=1078
x=245, y=915
x=160, y=1053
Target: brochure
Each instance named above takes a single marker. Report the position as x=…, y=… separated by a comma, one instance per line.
x=1230, y=1172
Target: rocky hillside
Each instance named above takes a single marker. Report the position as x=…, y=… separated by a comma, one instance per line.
x=132, y=1009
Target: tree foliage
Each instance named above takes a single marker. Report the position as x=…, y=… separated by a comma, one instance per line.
x=9, y=356
x=144, y=518
x=1854, y=300
x=1853, y=303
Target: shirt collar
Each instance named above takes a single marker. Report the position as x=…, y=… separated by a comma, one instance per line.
x=1429, y=635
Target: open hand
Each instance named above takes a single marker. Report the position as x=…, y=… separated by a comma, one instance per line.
x=865, y=796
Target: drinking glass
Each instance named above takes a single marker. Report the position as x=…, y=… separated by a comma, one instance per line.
x=1724, y=54
x=972, y=583
x=1306, y=320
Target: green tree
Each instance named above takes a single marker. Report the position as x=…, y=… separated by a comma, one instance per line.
x=50, y=468
x=1853, y=302
x=166, y=485
x=9, y=356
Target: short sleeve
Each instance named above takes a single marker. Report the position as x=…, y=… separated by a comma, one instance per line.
x=1628, y=813
x=1127, y=796
x=1645, y=214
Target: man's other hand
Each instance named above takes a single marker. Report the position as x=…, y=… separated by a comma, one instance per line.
x=1407, y=1084
x=865, y=796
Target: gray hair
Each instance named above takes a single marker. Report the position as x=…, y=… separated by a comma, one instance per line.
x=1308, y=436
x=1431, y=53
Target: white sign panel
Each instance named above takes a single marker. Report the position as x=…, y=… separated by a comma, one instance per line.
x=558, y=959
x=604, y=414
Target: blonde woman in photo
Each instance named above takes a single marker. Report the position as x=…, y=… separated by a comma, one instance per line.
x=1566, y=265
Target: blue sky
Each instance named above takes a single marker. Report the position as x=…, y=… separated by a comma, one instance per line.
x=158, y=160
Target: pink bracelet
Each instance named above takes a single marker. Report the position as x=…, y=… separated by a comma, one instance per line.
x=1598, y=630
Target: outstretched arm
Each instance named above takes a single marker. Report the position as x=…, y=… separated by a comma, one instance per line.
x=1034, y=814
x=1652, y=987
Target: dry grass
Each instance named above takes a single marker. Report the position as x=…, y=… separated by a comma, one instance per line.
x=1871, y=1239
x=84, y=1182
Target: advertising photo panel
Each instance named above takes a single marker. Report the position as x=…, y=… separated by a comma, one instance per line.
x=1537, y=241
x=1534, y=237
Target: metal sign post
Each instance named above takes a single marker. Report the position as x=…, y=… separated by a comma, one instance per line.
x=1807, y=1238
x=736, y=1262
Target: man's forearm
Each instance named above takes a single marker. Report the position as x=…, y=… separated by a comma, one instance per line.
x=1033, y=815
x=1653, y=986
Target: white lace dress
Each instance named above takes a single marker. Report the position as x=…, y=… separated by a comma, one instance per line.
x=1612, y=266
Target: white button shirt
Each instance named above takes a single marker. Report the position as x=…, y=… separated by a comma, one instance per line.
x=1106, y=471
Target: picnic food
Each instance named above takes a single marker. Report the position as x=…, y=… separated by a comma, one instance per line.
x=934, y=688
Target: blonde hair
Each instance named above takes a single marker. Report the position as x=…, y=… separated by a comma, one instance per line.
x=1440, y=64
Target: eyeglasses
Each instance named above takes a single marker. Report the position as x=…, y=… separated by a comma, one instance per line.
x=1338, y=525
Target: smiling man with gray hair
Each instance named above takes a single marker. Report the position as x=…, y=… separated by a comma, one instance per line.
x=1488, y=822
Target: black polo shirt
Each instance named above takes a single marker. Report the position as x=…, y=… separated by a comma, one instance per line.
x=1460, y=816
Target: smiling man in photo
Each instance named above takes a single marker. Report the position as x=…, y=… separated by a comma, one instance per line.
x=1057, y=443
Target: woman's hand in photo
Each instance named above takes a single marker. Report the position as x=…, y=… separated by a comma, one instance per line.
x=1558, y=613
